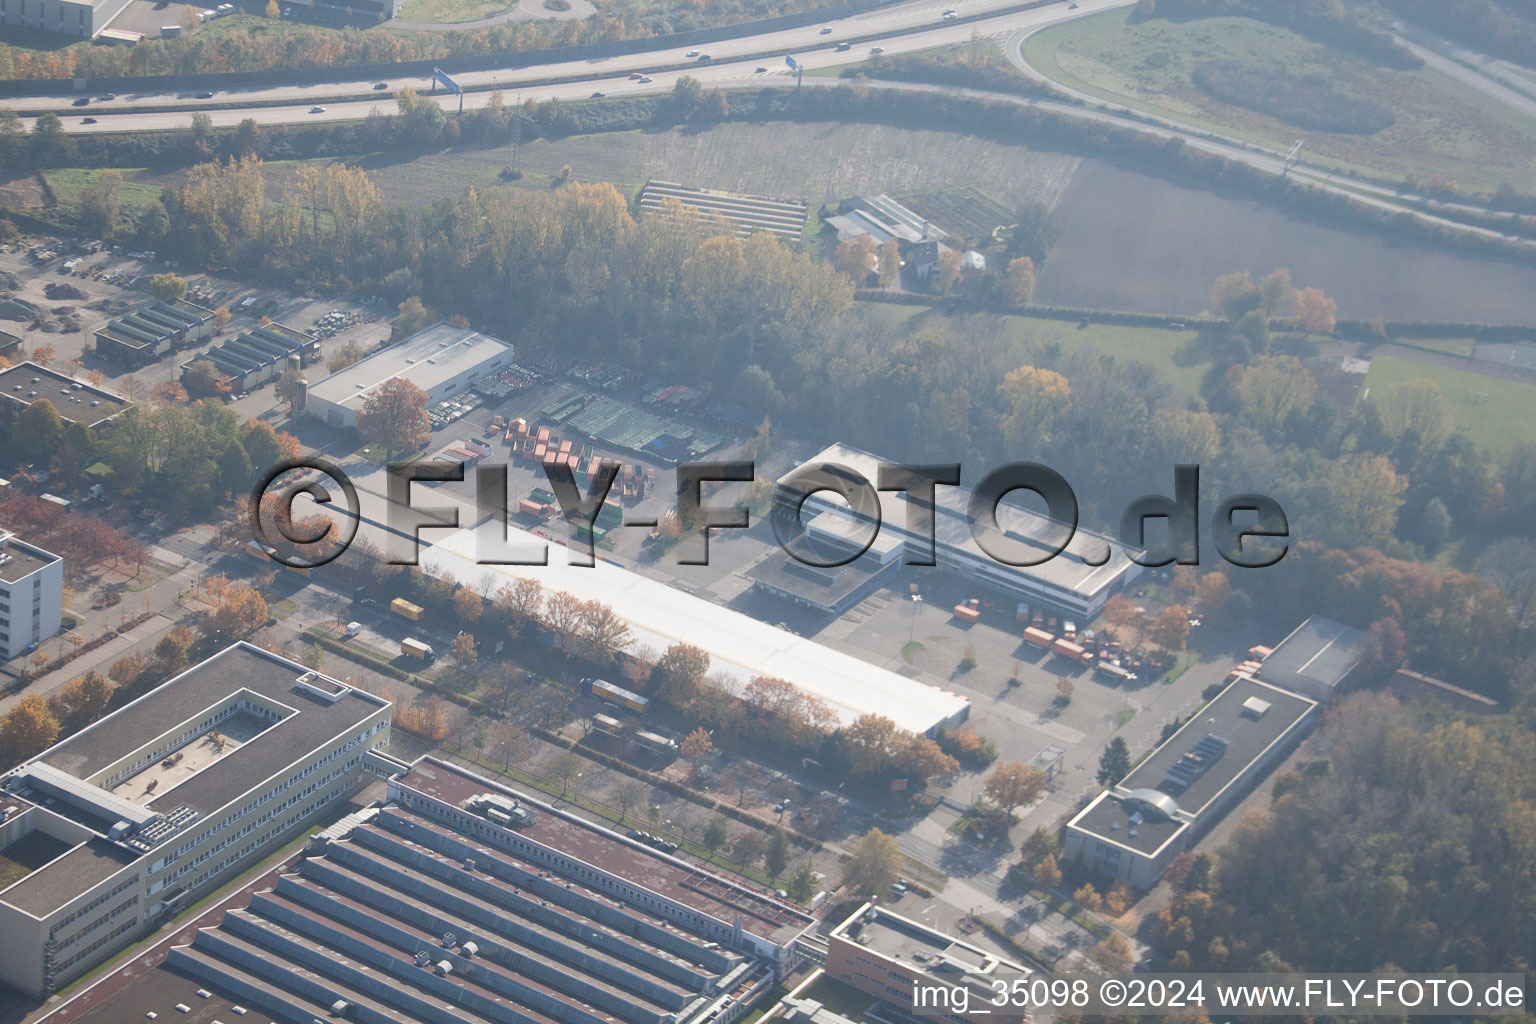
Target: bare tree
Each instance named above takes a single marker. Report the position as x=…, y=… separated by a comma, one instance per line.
x=628, y=795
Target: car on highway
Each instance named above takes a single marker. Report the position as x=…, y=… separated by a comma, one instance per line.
x=381, y=85
x=876, y=51
x=636, y=76
x=759, y=71
x=107, y=96
x=691, y=53
x=87, y=120
x=950, y=15
x=82, y=101
x=317, y=110
x=598, y=95
x=844, y=47
x=205, y=95
x=826, y=30
x=645, y=79
x=705, y=58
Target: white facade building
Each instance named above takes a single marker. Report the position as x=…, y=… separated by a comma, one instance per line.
x=31, y=595
x=442, y=360
x=137, y=815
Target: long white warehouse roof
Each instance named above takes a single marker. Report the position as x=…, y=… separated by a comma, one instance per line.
x=738, y=645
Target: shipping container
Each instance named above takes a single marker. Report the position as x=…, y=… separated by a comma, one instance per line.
x=400, y=606
x=1038, y=638
x=620, y=696
x=1067, y=649
x=966, y=613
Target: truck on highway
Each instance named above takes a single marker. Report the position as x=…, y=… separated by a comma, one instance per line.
x=400, y=606
x=414, y=648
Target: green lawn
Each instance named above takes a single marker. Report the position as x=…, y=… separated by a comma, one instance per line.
x=1495, y=413
x=1168, y=350
x=1442, y=130
x=67, y=183
x=447, y=11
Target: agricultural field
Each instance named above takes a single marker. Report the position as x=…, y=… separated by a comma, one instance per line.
x=1131, y=241
x=1495, y=413
x=139, y=186
x=1439, y=130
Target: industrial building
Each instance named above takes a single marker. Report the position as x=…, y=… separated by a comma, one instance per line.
x=260, y=355
x=115, y=828
x=740, y=648
x=886, y=955
x=74, y=400
x=138, y=339
x=457, y=900
x=31, y=595
x=1091, y=568
x=748, y=214
x=82, y=18
x=1318, y=659
x=442, y=360
x=1135, y=829
x=882, y=218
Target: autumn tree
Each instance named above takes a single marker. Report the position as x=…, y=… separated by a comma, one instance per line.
x=888, y=263
x=1046, y=871
x=697, y=747
x=36, y=433
x=345, y=356
x=412, y=316
x=240, y=611
x=948, y=269
x=1313, y=311
x=874, y=864
x=1170, y=630
x=202, y=378
x=462, y=651
x=1019, y=281
x=81, y=701
x=678, y=673
x=394, y=416
x=747, y=847
x=856, y=258
x=168, y=287
x=468, y=606
x=1013, y=784
x=1114, y=762
x=1273, y=387
x=802, y=885
x=28, y=728
x=602, y=633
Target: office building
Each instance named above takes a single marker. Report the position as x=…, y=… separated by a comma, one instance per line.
x=112, y=830
x=31, y=595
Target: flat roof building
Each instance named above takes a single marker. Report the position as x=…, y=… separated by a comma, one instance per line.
x=139, y=813
x=1134, y=829
x=31, y=595
x=260, y=355
x=167, y=325
x=442, y=360
x=75, y=400
x=740, y=648
x=1318, y=659
x=886, y=955
x=1091, y=568
x=459, y=900
x=82, y=18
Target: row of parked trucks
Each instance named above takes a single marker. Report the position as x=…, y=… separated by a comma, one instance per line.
x=1106, y=658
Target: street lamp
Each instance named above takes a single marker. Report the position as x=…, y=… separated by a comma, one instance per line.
x=917, y=600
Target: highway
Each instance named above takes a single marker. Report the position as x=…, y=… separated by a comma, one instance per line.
x=902, y=28
x=749, y=61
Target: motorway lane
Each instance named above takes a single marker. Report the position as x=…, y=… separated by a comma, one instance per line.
x=896, y=19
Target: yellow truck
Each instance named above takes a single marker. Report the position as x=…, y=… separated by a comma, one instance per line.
x=400, y=606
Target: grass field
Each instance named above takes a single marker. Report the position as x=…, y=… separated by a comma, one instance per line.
x=139, y=186
x=1442, y=130
x=1170, y=351
x=450, y=11
x=1495, y=413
